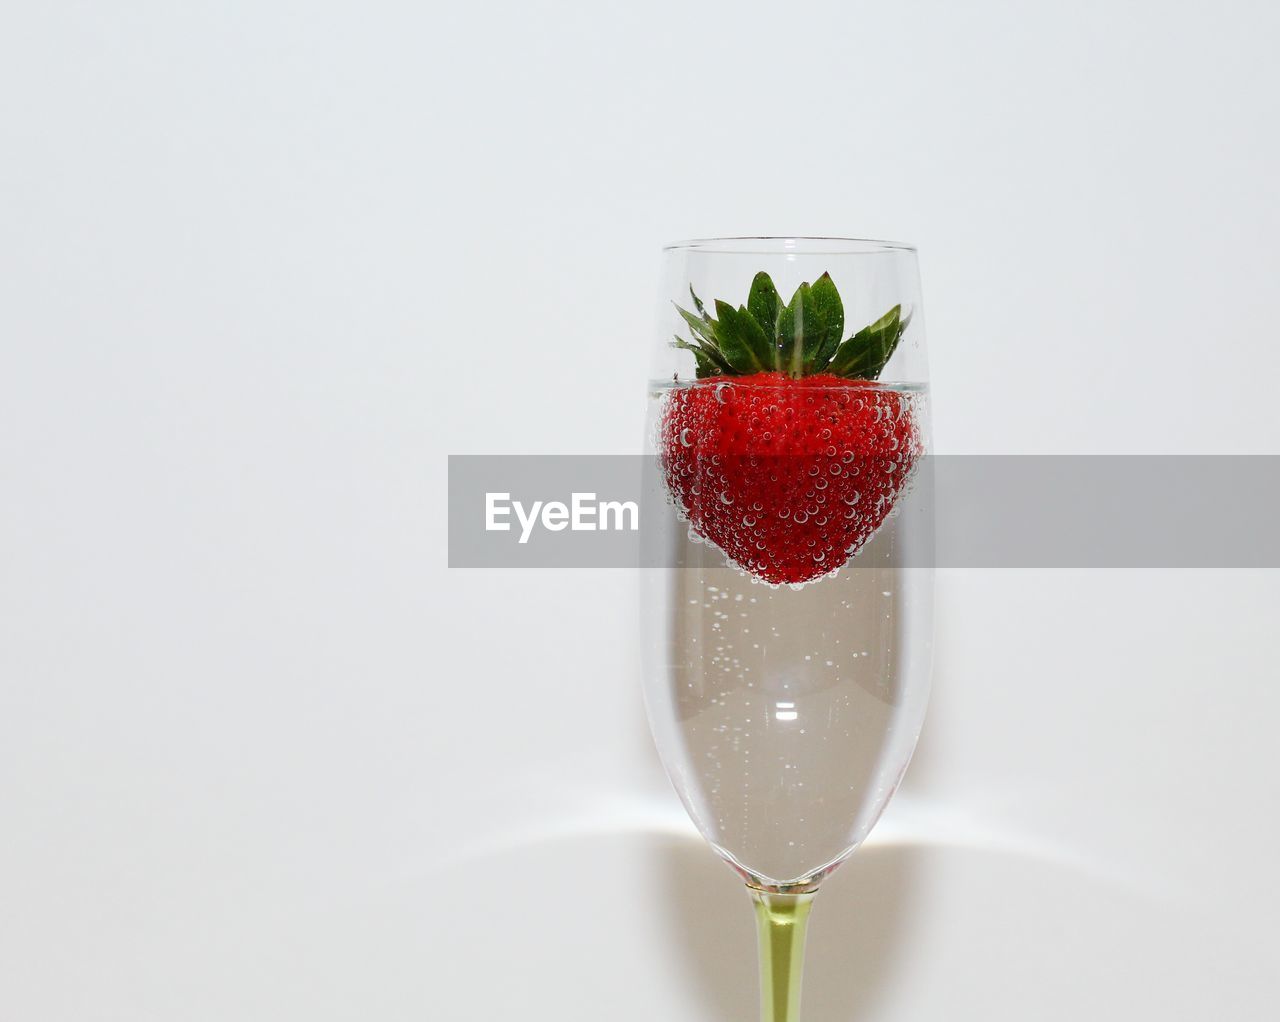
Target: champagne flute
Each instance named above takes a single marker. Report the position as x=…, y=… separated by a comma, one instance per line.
x=788, y=627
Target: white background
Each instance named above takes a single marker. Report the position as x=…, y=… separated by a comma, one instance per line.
x=264, y=265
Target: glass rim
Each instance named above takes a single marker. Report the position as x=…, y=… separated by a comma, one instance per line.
x=789, y=245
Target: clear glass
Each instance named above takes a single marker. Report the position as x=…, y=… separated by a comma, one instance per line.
x=787, y=632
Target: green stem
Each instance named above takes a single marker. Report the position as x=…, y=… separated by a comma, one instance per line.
x=782, y=921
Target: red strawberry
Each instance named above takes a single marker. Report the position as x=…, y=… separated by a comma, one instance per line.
x=784, y=453
x=789, y=477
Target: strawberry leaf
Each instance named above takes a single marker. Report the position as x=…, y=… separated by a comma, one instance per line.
x=809, y=328
x=697, y=304
x=706, y=362
x=825, y=325
x=791, y=330
x=702, y=327
x=865, y=354
x=742, y=341
x=765, y=306
x=707, y=357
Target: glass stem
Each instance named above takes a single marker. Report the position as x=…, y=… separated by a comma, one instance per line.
x=782, y=921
